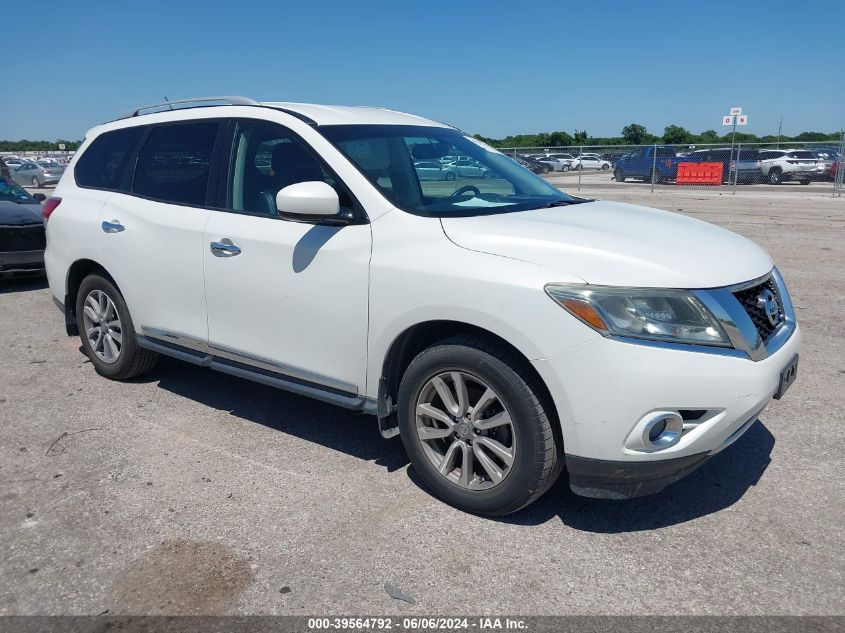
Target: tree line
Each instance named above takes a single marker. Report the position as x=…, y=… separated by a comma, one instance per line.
x=25, y=145
x=635, y=134
x=632, y=134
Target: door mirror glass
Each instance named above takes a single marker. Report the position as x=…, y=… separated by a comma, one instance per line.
x=313, y=198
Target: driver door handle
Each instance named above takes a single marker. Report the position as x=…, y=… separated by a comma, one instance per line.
x=224, y=248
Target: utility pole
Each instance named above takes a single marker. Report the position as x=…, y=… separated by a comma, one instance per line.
x=780, y=127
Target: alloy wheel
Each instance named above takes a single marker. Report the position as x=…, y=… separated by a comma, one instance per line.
x=465, y=430
x=102, y=324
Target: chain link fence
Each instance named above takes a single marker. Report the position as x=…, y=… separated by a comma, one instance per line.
x=712, y=166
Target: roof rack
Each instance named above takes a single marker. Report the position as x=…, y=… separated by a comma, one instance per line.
x=200, y=102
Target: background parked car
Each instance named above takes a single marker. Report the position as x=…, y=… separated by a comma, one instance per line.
x=612, y=157
x=533, y=164
x=22, y=238
x=782, y=165
x=31, y=174
x=746, y=160
x=590, y=161
x=13, y=162
x=432, y=170
x=468, y=168
x=643, y=164
x=4, y=170
x=558, y=162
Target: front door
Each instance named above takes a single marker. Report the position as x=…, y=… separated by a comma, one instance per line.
x=286, y=297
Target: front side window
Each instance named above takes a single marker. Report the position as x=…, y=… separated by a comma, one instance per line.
x=174, y=164
x=104, y=163
x=475, y=179
x=266, y=159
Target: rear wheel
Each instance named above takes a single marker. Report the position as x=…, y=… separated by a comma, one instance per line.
x=656, y=178
x=775, y=176
x=450, y=176
x=618, y=176
x=804, y=181
x=107, y=332
x=475, y=428
x=605, y=166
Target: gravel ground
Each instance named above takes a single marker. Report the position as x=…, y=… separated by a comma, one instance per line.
x=189, y=491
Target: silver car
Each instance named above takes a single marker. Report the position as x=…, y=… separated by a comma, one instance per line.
x=31, y=174
x=431, y=170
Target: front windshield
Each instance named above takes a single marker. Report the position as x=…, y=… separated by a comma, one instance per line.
x=440, y=171
x=10, y=192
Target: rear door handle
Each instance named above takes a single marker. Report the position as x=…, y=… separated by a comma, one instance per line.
x=224, y=248
x=113, y=227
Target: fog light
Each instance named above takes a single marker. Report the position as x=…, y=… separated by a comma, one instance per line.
x=656, y=431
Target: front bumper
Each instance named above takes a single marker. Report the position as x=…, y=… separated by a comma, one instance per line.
x=603, y=388
x=21, y=264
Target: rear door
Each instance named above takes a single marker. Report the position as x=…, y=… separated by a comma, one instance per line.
x=151, y=238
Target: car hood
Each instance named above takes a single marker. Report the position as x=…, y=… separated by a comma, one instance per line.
x=12, y=213
x=616, y=244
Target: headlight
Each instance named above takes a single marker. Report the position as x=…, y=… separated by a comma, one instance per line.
x=661, y=315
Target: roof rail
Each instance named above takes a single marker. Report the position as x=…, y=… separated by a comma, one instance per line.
x=201, y=102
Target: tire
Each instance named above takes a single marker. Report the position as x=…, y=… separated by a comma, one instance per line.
x=130, y=360
x=565, y=168
x=656, y=178
x=535, y=448
x=36, y=183
x=775, y=176
x=804, y=181
x=450, y=176
x=605, y=167
x=618, y=176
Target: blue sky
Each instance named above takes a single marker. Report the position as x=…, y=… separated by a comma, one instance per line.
x=491, y=67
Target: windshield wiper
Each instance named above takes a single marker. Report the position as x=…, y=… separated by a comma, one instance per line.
x=565, y=203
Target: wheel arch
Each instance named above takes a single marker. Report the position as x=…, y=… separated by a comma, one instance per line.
x=78, y=271
x=420, y=336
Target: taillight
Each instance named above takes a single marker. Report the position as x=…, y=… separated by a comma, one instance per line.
x=49, y=206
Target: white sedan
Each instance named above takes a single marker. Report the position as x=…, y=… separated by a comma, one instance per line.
x=590, y=161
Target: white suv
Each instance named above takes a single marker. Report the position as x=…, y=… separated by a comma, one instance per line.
x=504, y=329
x=781, y=165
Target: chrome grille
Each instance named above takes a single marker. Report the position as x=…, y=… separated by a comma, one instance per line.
x=749, y=298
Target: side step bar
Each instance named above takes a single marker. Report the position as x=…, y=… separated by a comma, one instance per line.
x=263, y=376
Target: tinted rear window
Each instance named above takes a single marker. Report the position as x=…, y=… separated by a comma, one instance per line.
x=174, y=164
x=802, y=155
x=105, y=162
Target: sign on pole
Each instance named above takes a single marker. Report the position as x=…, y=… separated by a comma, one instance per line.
x=727, y=120
x=742, y=119
x=61, y=146
x=736, y=111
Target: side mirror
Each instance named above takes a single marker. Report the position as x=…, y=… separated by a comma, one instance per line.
x=312, y=200
x=39, y=197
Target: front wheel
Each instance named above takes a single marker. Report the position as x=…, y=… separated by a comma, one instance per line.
x=775, y=177
x=107, y=332
x=476, y=428
x=36, y=183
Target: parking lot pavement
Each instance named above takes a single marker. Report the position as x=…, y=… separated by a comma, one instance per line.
x=189, y=491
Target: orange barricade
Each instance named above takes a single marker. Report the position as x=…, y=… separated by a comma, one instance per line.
x=699, y=173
